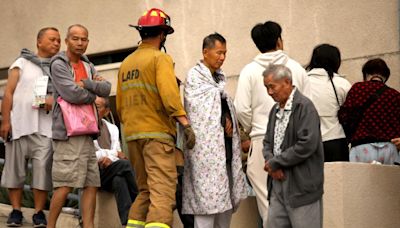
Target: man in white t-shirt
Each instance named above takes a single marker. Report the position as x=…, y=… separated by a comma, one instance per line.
x=26, y=126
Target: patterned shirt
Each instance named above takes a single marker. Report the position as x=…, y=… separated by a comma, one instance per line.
x=281, y=123
x=381, y=120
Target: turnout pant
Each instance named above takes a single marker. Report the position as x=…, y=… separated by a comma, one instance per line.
x=156, y=178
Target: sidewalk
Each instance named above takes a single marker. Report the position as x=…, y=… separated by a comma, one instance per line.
x=64, y=221
x=246, y=216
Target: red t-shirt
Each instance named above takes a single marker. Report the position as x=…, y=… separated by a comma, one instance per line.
x=80, y=71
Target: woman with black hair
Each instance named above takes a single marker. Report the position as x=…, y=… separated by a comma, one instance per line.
x=328, y=93
x=371, y=116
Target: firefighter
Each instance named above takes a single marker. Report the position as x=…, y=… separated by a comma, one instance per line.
x=149, y=104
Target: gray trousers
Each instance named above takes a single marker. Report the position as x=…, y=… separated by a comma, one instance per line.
x=220, y=220
x=281, y=215
x=36, y=147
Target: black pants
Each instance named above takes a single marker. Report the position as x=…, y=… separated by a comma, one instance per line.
x=336, y=150
x=187, y=220
x=119, y=178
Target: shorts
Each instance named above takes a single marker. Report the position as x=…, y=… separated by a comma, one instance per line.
x=75, y=163
x=38, y=149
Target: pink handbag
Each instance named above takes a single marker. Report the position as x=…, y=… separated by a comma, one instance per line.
x=78, y=119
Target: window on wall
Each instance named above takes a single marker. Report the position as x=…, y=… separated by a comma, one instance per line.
x=3, y=73
x=115, y=56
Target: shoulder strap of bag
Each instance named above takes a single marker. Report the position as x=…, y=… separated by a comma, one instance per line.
x=373, y=97
x=334, y=89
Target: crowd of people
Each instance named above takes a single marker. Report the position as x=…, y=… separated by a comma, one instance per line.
x=296, y=120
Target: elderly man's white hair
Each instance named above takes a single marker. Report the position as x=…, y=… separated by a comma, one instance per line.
x=278, y=72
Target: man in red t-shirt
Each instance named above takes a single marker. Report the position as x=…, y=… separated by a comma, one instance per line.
x=74, y=160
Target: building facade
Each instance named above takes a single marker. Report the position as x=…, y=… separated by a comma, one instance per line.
x=362, y=29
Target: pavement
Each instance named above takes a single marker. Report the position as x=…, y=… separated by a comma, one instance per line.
x=106, y=215
x=64, y=221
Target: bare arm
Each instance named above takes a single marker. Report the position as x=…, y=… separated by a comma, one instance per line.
x=396, y=141
x=7, y=103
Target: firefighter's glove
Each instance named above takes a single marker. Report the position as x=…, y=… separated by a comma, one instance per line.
x=190, y=136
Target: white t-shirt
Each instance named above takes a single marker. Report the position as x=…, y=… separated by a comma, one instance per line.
x=324, y=99
x=112, y=153
x=24, y=119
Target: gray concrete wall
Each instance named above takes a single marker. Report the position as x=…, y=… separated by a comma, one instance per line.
x=361, y=29
x=359, y=195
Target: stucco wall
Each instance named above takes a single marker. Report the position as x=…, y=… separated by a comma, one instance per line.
x=361, y=28
x=359, y=195
x=356, y=196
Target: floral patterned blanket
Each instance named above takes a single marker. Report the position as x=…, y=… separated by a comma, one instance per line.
x=207, y=188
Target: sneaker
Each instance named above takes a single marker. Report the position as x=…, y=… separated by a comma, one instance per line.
x=39, y=219
x=15, y=218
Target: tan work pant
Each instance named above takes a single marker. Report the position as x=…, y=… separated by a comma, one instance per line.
x=156, y=177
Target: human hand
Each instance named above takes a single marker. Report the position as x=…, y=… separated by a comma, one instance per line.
x=48, y=105
x=228, y=127
x=80, y=84
x=98, y=78
x=278, y=174
x=5, y=130
x=104, y=162
x=245, y=144
x=396, y=141
x=267, y=167
x=190, y=136
x=121, y=155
